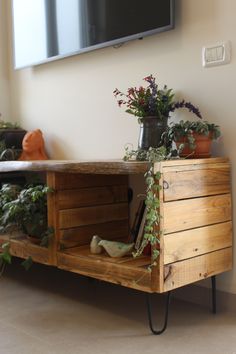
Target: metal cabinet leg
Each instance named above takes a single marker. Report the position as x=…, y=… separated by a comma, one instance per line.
x=213, y=293
x=157, y=332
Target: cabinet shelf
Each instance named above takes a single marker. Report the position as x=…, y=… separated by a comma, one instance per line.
x=127, y=271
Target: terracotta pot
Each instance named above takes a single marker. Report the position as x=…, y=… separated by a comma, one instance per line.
x=147, y=250
x=202, y=149
x=151, y=130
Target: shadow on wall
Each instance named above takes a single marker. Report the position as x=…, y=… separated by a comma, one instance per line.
x=57, y=148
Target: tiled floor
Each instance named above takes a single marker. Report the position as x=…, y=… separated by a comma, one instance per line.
x=48, y=311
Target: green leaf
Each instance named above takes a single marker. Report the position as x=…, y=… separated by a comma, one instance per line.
x=6, y=257
x=27, y=263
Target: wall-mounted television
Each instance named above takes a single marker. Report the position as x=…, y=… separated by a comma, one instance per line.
x=46, y=30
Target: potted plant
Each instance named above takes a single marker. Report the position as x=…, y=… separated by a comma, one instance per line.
x=193, y=139
x=25, y=209
x=12, y=134
x=152, y=106
x=11, y=137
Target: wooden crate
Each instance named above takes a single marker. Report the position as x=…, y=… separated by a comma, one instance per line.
x=196, y=224
x=91, y=198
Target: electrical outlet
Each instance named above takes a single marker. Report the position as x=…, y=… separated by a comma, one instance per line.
x=217, y=54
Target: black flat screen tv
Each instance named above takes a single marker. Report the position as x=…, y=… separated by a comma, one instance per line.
x=46, y=30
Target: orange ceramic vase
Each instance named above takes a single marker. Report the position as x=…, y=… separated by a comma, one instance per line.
x=33, y=146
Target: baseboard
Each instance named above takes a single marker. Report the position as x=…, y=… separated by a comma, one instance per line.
x=202, y=296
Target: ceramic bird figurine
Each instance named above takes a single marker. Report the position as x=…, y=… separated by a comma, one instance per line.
x=116, y=249
x=94, y=248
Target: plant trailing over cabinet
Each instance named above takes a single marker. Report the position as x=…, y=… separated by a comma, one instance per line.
x=151, y=103
x=151, y=231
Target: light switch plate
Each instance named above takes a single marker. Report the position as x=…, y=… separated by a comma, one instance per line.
x=217, y=54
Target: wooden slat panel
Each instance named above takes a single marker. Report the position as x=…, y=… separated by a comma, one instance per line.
x=190, y=213
x=132, y=277
x=52, y=211
x=24, y=249
x=92, y=215
x=157, y=270
x=75, y=181
x=197, y=268
x=92, y=196
x=83, y=234
x=196, y=183
x=193, y=165
x=84, y=251
x=191, y=162
x=191, y=243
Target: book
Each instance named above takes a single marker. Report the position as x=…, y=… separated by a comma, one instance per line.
x=139, y=238
x=137, y=221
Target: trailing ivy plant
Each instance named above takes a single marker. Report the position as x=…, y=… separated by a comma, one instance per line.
x=6, y=258
x=151, y=231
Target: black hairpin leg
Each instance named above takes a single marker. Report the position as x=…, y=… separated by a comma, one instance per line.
x=213, y=292
x=150, y=314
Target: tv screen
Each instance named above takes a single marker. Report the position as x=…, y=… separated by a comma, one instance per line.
x=46, y=30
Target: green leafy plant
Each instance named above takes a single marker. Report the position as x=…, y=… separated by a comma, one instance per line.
x=5, y=256
x=25, y=209
x=152, y=101
x=186, y=129
x=9, y=125
x=151, y=229
x=27, y=263
x=11, y=135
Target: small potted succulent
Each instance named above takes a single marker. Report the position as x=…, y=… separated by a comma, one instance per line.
x=12, y=134
x=11, y=137
x=152, y=105
x=193, y=139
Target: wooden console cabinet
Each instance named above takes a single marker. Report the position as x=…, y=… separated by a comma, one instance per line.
x=91, y=198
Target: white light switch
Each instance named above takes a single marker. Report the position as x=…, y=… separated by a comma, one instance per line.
x=217, y=54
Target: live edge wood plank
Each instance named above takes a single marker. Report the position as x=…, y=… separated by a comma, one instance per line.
x=76, y=166
x=101, y=167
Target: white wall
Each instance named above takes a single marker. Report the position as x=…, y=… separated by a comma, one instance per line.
x=72, y=102
x=4, y=79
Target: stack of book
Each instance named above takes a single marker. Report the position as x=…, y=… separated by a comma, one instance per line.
x=137, y=229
